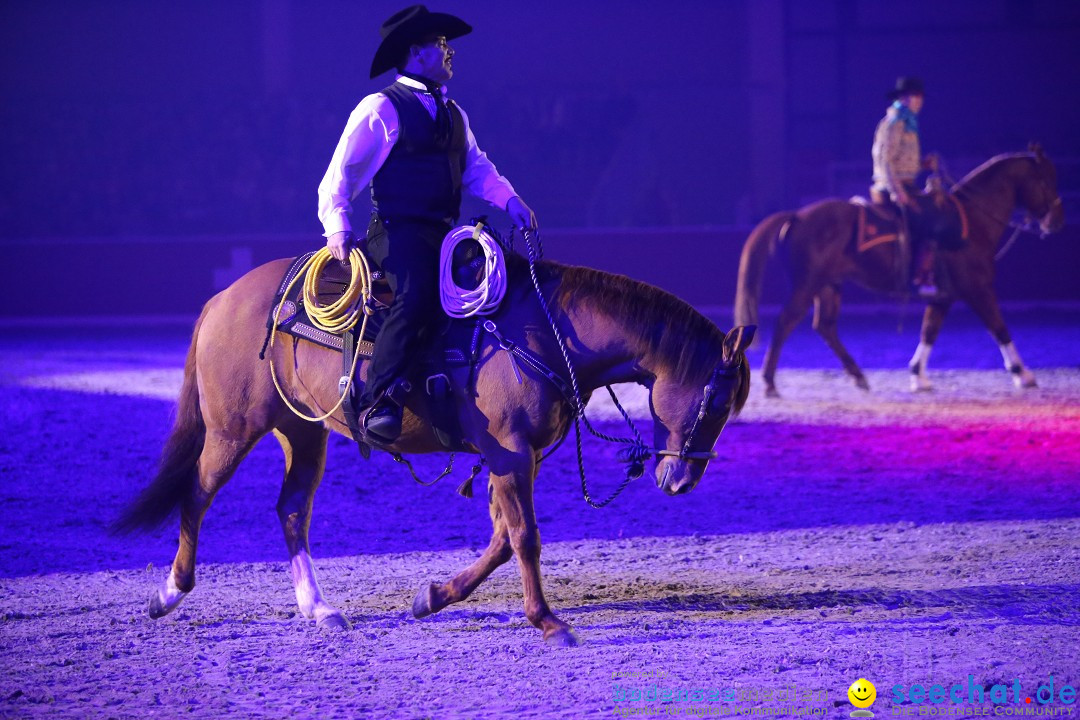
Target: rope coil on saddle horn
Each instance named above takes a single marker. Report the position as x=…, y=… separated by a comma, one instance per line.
x=337, y=317
x=484, y=299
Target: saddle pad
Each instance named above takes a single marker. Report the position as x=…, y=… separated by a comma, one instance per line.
x=294, y=319
x=874, y=226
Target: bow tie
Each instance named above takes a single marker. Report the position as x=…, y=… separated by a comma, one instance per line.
x=442, y=118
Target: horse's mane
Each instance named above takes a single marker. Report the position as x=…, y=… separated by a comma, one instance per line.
x=668, y=328
x=987, y=169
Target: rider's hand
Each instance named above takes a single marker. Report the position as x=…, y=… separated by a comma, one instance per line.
x=339, y=244
x=900, y=197
x=521, y=214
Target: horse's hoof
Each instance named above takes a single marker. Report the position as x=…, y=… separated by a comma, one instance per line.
x=157, y=608
x=562, y=637
x=771, y=392
x=920, y=385
x=424, y=603
x=861, y=383
x=334, y=622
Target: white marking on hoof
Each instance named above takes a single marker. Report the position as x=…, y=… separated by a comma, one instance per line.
x=920, y=379
x=921, y=383
x=1021, y=376
x=309, y=596
x=1025, y=379
x=165, y=599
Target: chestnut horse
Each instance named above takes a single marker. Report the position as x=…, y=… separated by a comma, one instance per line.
x=822, y=255
x=617, y=330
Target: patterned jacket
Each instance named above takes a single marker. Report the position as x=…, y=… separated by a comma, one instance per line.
x=896, y=153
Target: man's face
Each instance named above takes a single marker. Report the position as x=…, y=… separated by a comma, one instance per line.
x=914, y=102
x=435, y=59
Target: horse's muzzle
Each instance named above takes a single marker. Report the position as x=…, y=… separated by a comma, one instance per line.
x=674, y=476
x=1053, y=220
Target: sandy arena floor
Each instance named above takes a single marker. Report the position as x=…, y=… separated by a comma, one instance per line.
x=906, y=539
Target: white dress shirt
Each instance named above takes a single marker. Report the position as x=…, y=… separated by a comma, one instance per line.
x=364, y=146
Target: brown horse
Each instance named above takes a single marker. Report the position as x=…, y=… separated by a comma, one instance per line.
x=617, y=330
x=820, y=240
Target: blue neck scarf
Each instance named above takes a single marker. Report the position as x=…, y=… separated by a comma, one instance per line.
x=906, y=116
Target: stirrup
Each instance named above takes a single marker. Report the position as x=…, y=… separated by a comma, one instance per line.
x=393, y=396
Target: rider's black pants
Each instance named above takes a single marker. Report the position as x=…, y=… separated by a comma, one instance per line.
x=407, y=251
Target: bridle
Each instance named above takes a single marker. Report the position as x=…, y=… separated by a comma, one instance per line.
x=704, y=410
x=634, y=452
x=1030, y=225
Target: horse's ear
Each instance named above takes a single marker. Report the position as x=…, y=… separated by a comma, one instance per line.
x=1037, y=149
x=737, y=340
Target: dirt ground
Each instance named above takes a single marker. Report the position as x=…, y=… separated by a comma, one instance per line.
x=928, y=539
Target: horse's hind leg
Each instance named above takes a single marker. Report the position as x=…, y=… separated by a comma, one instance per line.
x=790, y=316
x=305, y=459
x=933, y=319
x=435, y=597
x=218, y=460
x=826, y=312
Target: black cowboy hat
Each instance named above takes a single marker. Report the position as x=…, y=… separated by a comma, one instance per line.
x=906, y=86
x=411, y=26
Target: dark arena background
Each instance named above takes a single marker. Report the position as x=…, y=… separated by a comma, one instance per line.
x=928, y=543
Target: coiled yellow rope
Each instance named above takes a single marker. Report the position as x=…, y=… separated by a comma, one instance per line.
x=338, y=317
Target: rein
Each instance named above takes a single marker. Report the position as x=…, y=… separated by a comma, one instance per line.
x=1029, y=226
x=636, y=451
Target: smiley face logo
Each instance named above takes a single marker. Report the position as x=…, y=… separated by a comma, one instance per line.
x=862, y=693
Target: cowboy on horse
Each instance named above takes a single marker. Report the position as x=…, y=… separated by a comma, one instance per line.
x=898, y=162
x=415, y=148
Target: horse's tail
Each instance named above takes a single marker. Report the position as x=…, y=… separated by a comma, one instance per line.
x=177, y=473
x=755, y=255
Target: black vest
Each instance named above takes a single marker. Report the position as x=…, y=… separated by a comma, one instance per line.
x=421, y=177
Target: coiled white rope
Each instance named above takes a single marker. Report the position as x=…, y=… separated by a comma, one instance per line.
x=484, y=299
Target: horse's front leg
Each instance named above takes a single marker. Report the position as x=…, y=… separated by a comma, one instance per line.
x=933, y=319
x=983, y=301
x=305, y=458
x=513, y=492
